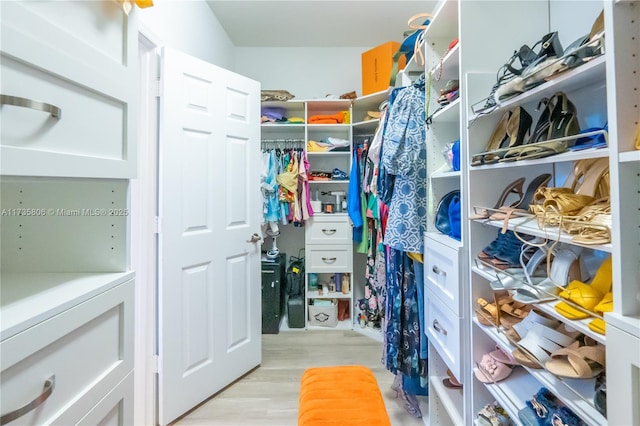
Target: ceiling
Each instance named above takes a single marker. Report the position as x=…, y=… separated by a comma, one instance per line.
x=312, y=23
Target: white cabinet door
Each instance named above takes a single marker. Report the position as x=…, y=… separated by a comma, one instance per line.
x=210, y=307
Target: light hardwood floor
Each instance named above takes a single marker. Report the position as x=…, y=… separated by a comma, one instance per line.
x=269, y=394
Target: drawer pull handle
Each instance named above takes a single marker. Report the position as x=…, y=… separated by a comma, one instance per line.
x=329, y=259
x=438, y=271
x=47, y=390
x=28, y=103
x=329, y=231
x=436, y=327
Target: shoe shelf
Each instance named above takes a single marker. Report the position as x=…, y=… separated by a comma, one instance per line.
x=629, y=324
x=529, y=226
x=589, y=74
x=329, y=126
x=451, y=399
x=581, y=325
x=448, y=114
x=446, y=405
x=630, y=157
x=555, y=158
x=576, y=394
x=511, y=392
x=548, y=307
x=313, y=294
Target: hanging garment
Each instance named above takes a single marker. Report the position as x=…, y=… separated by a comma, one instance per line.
x=269, y=188
x=353, y=199
x=303, y=183
x=403, y=328
x=404, y=156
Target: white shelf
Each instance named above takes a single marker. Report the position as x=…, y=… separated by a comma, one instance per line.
x=529, y=226
x=630, y=324
x=557, y=158
x=585, y=75
x=485, y=272
x=327, y=153
x=366, y=125
x=29, y=298
x=319, y=106
x=328, y=182
x=282, y=125
x=444, y=175
x=329, y=126
x=448, y=114
x=576, y=394
x=630, y=157
x=444, y=239
x=330, y=214
x=444, y=24
x=450, y=65
x=512, y=392
x=452, y=399
x=313, y=294
x=372, y=101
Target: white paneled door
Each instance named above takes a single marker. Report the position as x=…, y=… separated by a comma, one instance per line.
x=209, y=263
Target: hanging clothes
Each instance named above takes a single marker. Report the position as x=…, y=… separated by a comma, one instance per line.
x=404, y=156
x=269, y=189
x=403, y=328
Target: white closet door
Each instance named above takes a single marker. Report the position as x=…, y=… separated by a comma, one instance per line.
x=209, y=291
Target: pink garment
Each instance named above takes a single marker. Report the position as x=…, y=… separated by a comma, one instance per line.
x=307, y=210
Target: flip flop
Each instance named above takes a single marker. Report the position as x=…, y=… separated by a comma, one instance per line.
x=577, y=362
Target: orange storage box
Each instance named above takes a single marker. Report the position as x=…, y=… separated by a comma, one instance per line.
x=341, y=396
x=376, y=67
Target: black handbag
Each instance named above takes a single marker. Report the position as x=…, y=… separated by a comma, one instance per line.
x=448, y=215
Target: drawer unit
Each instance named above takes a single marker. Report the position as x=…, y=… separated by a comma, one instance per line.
x=80, y=355
x=114, y=409
x=68, y=89
x=328, y=230
x=443, y=330
x=321, y=258
x=442, y=274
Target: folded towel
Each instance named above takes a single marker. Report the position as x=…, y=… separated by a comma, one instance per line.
x=337, y=118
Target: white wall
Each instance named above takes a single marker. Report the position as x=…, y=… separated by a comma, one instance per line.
x=307, y=73
x=191, y=27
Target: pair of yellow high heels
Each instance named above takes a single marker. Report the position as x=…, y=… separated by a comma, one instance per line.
x=589, y=299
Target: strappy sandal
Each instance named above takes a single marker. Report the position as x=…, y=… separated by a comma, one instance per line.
x=535, y=349
x=514, y=187
x=487, y=313
x=577, y=361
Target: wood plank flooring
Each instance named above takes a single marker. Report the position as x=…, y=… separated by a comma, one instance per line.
x=269, y=394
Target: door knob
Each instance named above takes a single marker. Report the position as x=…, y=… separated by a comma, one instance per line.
x=254, y=238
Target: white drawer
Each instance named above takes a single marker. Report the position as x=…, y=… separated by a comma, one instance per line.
x=324, y=258
x=443, y=330
x=329, y=230
x=79, y=57
x=441, y=274
x=114, y=409
x=88, y=349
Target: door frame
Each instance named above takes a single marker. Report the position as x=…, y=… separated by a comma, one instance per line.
x=144, y=230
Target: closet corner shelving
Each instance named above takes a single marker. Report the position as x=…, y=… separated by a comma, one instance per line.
x=66, y=163
x=605, y=90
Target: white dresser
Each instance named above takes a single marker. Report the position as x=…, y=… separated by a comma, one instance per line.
x=69, y=88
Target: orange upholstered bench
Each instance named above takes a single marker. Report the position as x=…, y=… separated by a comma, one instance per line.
x=344, y=395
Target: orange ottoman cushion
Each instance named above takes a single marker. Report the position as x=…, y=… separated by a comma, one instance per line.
x=344, y=395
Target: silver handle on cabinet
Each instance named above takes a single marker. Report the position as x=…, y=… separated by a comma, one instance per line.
x=438, y=271
x=329, y=259
x=254, y=238
x=329, y=231
x=47, y=390
x=55, y=111
x=436, y=327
